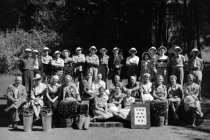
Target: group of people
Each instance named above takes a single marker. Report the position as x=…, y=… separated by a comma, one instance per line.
x=84, y=78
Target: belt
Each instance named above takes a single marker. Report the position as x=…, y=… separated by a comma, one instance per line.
x=194, y=69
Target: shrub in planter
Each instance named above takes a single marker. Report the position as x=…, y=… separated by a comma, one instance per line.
x=158, y=111
x=68, y=112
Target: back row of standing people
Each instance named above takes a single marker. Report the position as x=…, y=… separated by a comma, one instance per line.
x=154, y=62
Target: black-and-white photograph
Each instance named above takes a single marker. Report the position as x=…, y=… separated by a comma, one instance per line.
x=105, y=69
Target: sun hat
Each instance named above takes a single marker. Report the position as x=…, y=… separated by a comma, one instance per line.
x=194, y=50
x=145, y=54
x=78, y=49
x=37, y=76
x=146, y=75
x=46, y=49
x=133, y=49
x=152, y=48
x=93, y=48
x=57, y=52
x=162, y=47
x=115, y=48
x=65, y=51
x=27, y=50
x=35, y=51
x=177, y=48
x=103, y=50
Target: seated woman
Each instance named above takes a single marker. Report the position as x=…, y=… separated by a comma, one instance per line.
x=100, y=109
x=160, y=94
x=37, y=93
x=146, y=88
x=128, y=100
x=69, y=91
x=191, y=102
x=69, y=99
x=174, y=95
x=97, y=84
x=115, y=99
x=133, y=85
x=51, y=98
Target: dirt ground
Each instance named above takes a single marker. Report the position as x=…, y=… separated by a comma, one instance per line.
x=95, y=133
x=154, y=133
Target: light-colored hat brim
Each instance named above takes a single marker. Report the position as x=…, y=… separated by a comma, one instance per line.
x=65, y=51
x=177, y=48
x=103, y=50
x=194, y=50
x=162, y=47
x=133, y=50
x=57, y=52
x=145, y=54
x=28, y=50
x=152, y=48
x=115, y=48
x=92, y=48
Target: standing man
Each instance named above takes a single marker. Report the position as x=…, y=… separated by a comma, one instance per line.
x=46, y=61
x=132, y=63
x=195, y=67
x=38, y=67
x=16, y=94
x=27, y=69
x=57, y=64
x=177, y=64
x=116, y=62
x=103, y=66
x=92, y=62
x=78, y=63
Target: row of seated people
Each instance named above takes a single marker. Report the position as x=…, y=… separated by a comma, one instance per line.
x=116, y=100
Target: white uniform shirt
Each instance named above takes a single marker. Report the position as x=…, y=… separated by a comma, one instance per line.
x=132, y=60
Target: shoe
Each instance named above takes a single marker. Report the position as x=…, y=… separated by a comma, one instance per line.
x=14, y=126
x=37, y=118
x=193, y=126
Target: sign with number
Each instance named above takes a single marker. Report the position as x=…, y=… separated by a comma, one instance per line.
x=140, y=115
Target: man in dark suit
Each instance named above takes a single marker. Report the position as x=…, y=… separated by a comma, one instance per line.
x=27, y=68
x=116, y=62
x=16, y=94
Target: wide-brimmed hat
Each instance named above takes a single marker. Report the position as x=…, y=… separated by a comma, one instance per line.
x=93, y=48
x=46, y=49
x=152, y=48
x=133, y=49
x=177, y=48
x=65, y=51
x=35, y=51
x=27, y=50
x=37, y=77
x=194, y=50
x=78, y=49
x=103, y=50
x=162, y=47
x=145, y=54
x=115, y=48
x=57, y=52
x=146, y=75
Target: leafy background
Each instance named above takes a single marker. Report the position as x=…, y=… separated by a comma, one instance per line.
x=60, y=24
